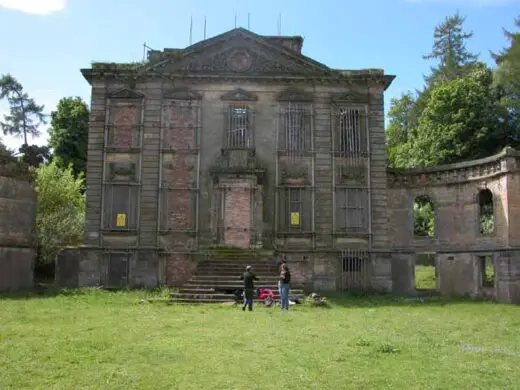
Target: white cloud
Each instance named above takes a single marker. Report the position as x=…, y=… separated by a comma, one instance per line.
x=478, y=3
x=37, y=7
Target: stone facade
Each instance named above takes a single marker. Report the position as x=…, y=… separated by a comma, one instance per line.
x=17, y=227
x=241, y=140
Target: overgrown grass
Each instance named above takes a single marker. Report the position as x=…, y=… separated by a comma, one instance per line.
x=91, y=339
x=425, y=276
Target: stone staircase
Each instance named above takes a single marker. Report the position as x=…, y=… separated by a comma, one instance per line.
x=217, y=276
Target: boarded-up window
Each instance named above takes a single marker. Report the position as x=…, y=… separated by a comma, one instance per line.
x=178, y=209
x=352, y=210
x=295, y=133
x=295, y=209
x=181, y=125
x=120, y=207
x=239, y=130
x=123, y=126
x=351, y=133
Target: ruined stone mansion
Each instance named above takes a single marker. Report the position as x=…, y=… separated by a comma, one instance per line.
x=241, y=140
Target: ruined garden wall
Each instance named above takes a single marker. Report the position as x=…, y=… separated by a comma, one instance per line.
x=17, y=233
x=458, y=242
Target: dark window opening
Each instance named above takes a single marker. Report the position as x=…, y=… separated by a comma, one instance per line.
x=424, y=217
x=486, y=212
x=487, y=271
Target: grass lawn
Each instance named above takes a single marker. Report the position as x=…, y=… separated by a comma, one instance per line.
x=92, y=339
x=425, y=276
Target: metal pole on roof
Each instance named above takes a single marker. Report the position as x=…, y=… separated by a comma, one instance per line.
x=249, y=21
x=191, y=28
x=204, y=27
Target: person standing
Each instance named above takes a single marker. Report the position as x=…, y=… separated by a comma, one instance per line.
x=283, y=283
x=249, y=288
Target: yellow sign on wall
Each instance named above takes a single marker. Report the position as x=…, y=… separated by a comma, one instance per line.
x=121, y=220
x=295, y=218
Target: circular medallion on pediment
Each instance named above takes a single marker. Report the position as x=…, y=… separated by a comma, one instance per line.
x=240, y=61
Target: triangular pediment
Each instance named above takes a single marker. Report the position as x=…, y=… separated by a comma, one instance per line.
x=351, y=97
x=239, y=94
x=182, y=93
x=294, y=95
x=125, y=93
x=242, y=53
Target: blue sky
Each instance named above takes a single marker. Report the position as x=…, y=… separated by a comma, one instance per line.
x=45, y=42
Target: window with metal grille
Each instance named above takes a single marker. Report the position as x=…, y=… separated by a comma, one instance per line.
x=295, y=128
x=351, y=137
x=294, y=210
x=120, y=207
x=352, y=210
x=239, y=127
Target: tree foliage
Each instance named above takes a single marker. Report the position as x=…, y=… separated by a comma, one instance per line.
x=449, y=48
x=461, y=121
x=23, y=120
x=465, y=110
x=507, y=79
x=68, y=134
x=60, y=210
x=25, y=116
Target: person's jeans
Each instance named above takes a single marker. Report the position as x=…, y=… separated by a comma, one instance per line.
x=248, y=302
x=284, y=295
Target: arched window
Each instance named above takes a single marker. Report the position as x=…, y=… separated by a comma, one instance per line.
x=486, y=212
x=423, y=217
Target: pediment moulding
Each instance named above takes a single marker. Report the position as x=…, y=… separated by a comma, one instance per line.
x=125, y=93
x=351, y=96
x=239, y=94
x=238, y=54
x=295, y=95
x=182, y=93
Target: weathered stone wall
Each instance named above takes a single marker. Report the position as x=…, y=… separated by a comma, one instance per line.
x=453, y=190
x=458, y=242
x=17, y=233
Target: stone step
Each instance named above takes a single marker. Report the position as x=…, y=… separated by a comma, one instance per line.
x=231, y=276
x=220, y=297
x=189, y=290
x=237, y=266
x=235, y=270
x=232, y=286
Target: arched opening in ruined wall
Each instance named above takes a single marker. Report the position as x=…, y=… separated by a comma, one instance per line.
x=423, y=217
x=486, y=212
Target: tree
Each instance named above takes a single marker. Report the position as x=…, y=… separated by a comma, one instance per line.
x=507, y=79
x=401, y=127
x=35, y=155
x=449, y=48
x=25, y=116
x=68, y=134
x=60, y=210
x=461, y=121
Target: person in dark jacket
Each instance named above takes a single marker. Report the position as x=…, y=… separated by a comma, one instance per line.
x=249, y=288
x=285, y=279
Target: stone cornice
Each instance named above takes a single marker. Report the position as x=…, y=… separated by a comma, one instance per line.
x=462, y=172
x=111, y=72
